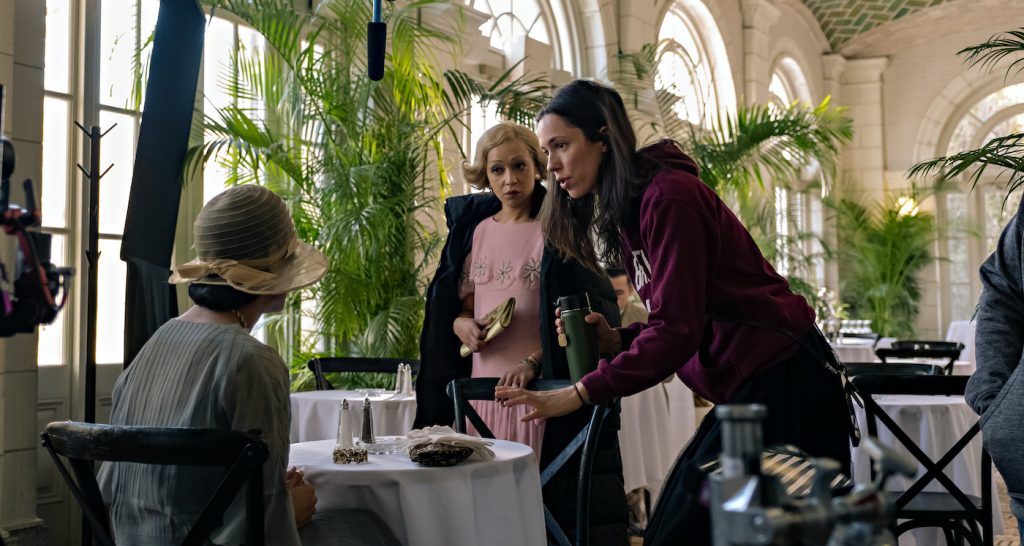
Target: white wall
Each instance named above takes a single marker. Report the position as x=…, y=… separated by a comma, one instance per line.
x=21, y=72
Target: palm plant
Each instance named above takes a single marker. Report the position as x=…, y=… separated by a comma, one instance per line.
x=1004, y=153
x=359, y=162
x=745, y=156
x=882, y=248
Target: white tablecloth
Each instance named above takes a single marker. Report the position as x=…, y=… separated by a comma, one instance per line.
x=497, y=503
x=963, y=331
x=935, y=423
x=315, y=414
x=855, y=350
x=656, y=425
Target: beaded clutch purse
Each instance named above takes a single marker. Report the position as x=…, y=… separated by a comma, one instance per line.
x=500, y=317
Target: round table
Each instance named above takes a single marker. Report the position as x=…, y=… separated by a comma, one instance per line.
x=656, y=425
x=935, y=423
x=315, y=414
x=474, y=502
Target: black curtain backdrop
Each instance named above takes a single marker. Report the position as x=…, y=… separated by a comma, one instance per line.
x=156, y=180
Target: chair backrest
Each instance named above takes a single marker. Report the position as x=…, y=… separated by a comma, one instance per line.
x=320, y=366
x=461, y=391
x=872, y=385
x=923, y=349
x=874, y=368
x=242, y=454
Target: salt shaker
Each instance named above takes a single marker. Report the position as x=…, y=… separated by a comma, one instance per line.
x=344, y=426
x=407, y=381
x=367, y=436
x=399, y=378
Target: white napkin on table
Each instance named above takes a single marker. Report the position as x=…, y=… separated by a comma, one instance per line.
x=445, y=435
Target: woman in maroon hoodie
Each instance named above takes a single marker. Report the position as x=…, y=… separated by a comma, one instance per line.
x=721, y=318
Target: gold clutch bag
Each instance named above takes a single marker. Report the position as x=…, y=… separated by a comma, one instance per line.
x=500, y=317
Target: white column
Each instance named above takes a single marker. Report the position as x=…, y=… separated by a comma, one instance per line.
x=759, y=16
x=833, y=65
x=22, y=24
x=637, y=25
x=864, y=159
x=599, y=34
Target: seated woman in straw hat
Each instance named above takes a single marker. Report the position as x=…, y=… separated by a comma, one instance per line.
x=204, y=370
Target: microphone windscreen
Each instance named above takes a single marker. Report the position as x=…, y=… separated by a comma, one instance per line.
x=376, y=43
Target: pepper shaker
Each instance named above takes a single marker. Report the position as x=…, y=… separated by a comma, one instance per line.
x=367, y=436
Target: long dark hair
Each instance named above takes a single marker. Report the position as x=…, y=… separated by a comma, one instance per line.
x=568, y=223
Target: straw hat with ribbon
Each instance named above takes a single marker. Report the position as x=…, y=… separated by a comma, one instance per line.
x=245, y=238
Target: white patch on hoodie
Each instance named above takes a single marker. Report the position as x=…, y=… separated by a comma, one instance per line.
x=641, y=269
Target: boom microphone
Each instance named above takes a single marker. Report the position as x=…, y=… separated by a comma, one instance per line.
x=376, y=43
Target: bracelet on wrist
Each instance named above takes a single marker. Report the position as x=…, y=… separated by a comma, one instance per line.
x=584, y=401
x=533, y=363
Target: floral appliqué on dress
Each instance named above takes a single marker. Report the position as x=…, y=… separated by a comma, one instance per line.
x=504, y=274
x=479, y=270
x=530, y=272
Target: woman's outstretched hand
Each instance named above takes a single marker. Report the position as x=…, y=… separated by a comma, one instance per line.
x=544, y=403
x=609, y=341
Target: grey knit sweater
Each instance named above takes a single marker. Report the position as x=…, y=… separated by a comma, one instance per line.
x=996, y=390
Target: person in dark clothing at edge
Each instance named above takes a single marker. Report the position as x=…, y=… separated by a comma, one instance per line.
x=721, y=318
x=996, y=390
x=440, y=361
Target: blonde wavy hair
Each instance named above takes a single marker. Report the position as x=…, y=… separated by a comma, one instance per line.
x=475, y=173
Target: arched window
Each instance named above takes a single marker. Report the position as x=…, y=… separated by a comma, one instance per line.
x=797, y=213
x=788, y=83
x=986, y=209
x=696, y=68
x=547, y=22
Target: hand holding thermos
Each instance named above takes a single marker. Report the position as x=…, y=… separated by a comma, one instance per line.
x=608, y=339
x=585, y=335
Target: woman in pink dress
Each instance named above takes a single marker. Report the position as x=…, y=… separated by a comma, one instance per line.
x=504, y=262
x=494, y=251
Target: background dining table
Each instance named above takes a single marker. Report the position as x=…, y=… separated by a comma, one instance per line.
x=934, y=423
x=315, y=413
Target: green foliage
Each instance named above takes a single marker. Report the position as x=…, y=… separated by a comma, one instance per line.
x=881, y=250
x=1004, y=154
x=359, y=162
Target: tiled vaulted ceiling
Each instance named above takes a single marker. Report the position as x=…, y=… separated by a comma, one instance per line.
x=842, y=20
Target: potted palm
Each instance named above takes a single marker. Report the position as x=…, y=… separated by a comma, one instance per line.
x=360, y=162
x=882, y=248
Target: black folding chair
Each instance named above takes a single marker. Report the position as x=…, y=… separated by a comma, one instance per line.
x=461, y=391
x=874, y=368
x=320, y=366
x=240, y=453
x=939, y=350
x=958, y=514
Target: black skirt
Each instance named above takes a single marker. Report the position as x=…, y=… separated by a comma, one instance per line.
x=806, y=407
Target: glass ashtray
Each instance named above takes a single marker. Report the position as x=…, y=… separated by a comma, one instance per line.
x=384, y=445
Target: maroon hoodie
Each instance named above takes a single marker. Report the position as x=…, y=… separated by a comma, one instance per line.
x=698, y=271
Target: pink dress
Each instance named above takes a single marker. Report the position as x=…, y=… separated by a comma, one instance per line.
x=503, y=263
